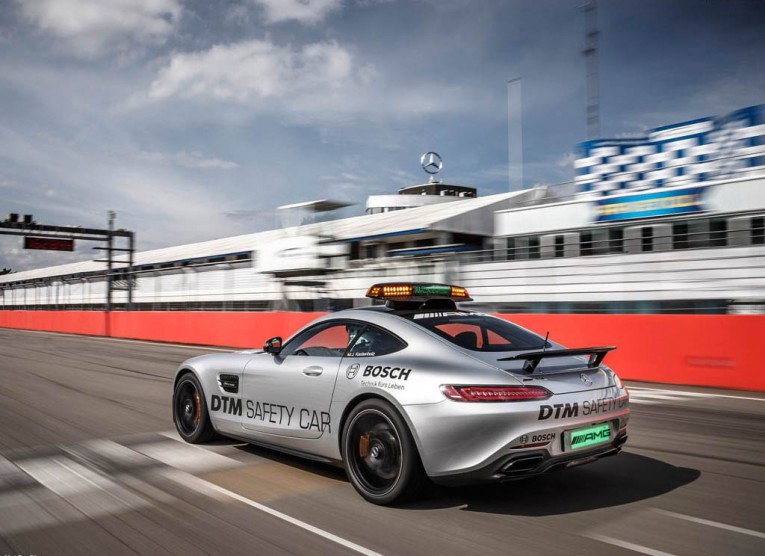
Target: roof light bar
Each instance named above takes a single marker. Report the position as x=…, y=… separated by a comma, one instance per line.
x=417, y=291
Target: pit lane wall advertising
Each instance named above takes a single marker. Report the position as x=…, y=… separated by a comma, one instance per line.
x=722, y=351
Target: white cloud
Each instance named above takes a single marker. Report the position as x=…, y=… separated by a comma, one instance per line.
x=90, y=28
x=318, y=83
x=256, y=70
x=566, y=160
x=304, y=11
x=188, y=160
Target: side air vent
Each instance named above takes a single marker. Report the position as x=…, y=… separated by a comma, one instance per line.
x=230, y=383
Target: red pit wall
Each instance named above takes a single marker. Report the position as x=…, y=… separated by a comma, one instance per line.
x=240, y=330
x=705, y=350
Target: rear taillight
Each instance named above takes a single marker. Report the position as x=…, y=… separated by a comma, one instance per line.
x=494, y=393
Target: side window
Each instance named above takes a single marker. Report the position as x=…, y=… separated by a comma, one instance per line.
x=374, y=342
x=327, y=340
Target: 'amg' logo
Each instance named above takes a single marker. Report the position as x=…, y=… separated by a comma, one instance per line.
x=590, y=436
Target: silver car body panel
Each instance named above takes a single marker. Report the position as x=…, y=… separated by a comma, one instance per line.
x=297, y=403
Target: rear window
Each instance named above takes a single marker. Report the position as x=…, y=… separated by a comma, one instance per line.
x=478, y=332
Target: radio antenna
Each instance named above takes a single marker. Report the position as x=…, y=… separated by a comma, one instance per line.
x=544, y=347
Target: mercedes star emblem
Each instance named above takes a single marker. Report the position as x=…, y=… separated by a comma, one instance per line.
x=431, y=162
x=587, y=380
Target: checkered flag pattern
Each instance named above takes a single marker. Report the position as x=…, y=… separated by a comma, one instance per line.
x=707, y=149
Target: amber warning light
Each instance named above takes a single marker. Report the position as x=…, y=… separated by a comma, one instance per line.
x=48, y=243
x=403, y=291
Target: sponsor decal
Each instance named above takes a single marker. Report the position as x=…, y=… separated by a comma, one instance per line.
x=591, y=407
x=558, y=411
x=272, y=413
x=226, y=404
x=352, y=371
x=394, y=373
x=660, y=203
x=382, y=384
x=535, y=439
x=441, y=314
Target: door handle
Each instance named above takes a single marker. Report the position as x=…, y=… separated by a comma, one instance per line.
x=313, y=371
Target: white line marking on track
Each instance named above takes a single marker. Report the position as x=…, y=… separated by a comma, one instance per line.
x=712, y=523
x=637, y=390
x=186, y=457
x=645, y=396
x=86, y=490
x=289, y=519
x=202, y=484
x=629, y=546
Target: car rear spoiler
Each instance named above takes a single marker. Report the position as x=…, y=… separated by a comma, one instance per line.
x=534, y=357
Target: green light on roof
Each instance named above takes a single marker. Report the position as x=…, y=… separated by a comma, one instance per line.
x=432, y=290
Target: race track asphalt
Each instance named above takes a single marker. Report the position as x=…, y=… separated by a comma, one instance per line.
x=90, y=464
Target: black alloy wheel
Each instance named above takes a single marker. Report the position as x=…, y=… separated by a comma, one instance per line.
x=190, y=411
x=379, y=454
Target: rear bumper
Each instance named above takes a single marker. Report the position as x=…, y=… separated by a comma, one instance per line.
x=463, y=438
x=531, y=463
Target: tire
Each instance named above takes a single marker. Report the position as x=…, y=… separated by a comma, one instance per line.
x=192, y=421
x=379, y=454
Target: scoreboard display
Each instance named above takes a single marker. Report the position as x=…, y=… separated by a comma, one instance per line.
x=48, y=243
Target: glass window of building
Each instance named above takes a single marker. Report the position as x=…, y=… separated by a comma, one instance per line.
x=646, y=235
x=585, y=241
x=680, y=235
x=511, y=249
x=534, y=247
x=560, y=248
x=758, y=230
x=615, y=240
x=718, y=232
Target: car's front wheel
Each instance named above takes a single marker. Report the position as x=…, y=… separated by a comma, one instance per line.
x=379, y=454
x=190, y=411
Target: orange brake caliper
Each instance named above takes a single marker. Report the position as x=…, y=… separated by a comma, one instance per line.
x=198, y=414
x=364, y=445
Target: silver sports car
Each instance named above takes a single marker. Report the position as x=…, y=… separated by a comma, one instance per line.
x=411, y=390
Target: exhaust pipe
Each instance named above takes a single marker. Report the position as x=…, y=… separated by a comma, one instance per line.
x=522, y=464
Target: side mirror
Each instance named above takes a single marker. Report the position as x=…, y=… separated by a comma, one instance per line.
x=273, y=346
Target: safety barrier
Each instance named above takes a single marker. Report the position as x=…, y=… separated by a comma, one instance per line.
x=703, y=350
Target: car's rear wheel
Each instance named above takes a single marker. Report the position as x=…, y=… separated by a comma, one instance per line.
x=190, y=411
x=379, y=454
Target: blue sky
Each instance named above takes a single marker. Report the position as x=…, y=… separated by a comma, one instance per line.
x=195, y=119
